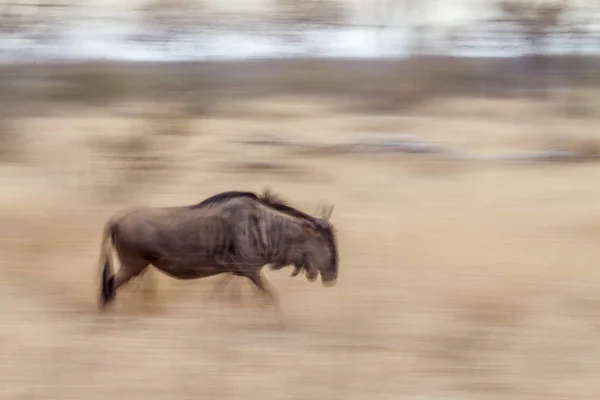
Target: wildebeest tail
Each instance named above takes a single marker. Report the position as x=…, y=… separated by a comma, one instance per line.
x=107, y=290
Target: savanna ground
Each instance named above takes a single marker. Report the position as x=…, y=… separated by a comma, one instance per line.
x=458, y=279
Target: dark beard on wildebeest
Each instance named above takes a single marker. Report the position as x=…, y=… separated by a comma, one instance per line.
x=232, y=232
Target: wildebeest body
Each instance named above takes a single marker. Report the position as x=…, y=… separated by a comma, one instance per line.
x=232, y=232
x=182, y=246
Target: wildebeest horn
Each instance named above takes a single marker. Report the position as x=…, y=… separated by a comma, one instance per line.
x=324, y=213
x=319, y=209
x=327, y=211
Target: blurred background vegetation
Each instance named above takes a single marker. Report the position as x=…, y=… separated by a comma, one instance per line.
x=549, y=48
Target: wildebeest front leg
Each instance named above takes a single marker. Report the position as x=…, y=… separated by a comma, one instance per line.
x=265, y=288
x=222, y=283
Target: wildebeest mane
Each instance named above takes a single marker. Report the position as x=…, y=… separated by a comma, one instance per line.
x=267, y=198
x=222, y=197
x=275, y=202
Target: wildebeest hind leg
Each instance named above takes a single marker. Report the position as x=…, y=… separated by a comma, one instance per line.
x=147, y=287
x=125, y=273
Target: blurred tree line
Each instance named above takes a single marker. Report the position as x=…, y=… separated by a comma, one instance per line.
x=166, y=23
x=529, y=27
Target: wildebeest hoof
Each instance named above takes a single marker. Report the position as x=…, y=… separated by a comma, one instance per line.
x=330, y=283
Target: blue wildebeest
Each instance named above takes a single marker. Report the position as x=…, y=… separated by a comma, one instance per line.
x=233, y=232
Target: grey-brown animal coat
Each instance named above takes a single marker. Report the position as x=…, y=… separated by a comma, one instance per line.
x=231, y=232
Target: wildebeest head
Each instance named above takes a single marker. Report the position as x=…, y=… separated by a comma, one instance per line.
x=320, y=250
x=310, y=243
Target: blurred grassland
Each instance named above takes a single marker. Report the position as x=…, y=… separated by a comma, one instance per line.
x=459, y=279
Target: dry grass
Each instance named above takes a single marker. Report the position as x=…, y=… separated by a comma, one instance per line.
x=468, y=281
